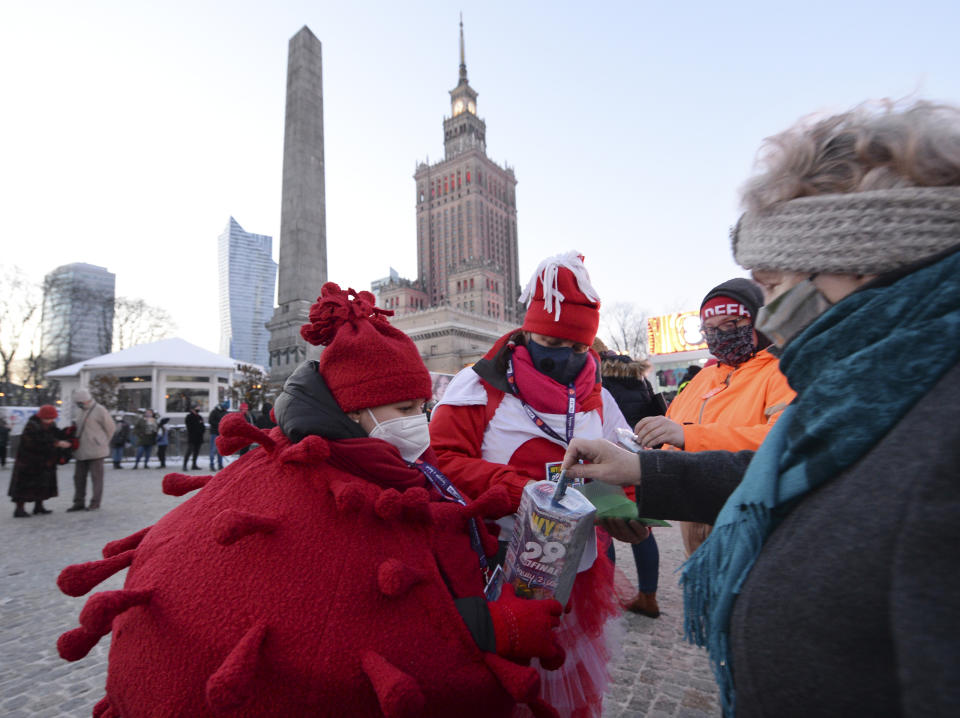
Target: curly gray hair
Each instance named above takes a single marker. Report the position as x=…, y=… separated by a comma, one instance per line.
x=876, y=145
x=865, y=192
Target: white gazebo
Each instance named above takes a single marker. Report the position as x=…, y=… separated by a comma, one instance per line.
x=167, y=376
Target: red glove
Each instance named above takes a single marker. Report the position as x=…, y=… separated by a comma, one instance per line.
x=524, y=628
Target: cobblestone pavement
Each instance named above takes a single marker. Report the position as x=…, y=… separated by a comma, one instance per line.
x=657, y=675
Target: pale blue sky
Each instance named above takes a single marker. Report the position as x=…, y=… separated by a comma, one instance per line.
x=131, y=131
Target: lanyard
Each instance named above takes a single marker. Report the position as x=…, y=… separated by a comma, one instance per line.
x=449, y=491
x=540, y=423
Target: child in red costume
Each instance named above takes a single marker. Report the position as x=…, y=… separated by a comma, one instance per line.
x=333, y=571
x=506, y=421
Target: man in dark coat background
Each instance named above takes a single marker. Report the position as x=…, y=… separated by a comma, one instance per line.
x=195, y=430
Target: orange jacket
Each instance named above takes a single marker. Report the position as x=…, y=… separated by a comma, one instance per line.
x=729, y=409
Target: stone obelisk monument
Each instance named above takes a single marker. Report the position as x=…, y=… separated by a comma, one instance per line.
x=303, y=224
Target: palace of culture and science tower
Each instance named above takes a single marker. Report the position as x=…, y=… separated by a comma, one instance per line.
x=466, y=212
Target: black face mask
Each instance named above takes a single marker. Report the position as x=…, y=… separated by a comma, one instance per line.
x=561, y=364
x=733, y=347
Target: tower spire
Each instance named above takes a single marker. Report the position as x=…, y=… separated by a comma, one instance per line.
x=463, y=58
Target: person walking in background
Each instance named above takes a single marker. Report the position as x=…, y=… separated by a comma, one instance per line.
x=219, y=411
x=95, y=429
x=120, y=439
x=146, y=432
x=34, y=475
x=732, y=405
x=263, y=418
x=626, y=380
x=195, y=431
x=4, y=438
x=163, y=441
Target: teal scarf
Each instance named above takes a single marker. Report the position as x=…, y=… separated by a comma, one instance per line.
x=857, y=370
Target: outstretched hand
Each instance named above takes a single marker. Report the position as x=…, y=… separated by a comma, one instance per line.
x=607, y=462
x=652, y=431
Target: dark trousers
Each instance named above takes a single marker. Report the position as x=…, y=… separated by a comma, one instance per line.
x=95, y=468
x=162, y=455
x=646, y=555
x=193, y=451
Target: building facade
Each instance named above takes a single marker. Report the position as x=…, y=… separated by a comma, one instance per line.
x=248, y=276
x=77, y=314
x=467, y=249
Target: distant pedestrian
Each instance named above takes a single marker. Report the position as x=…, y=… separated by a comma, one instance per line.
x=163, y=441
x=263, y=419
x=4, y=437
x=95, y=429
x=34, y=476
x=248, y=416
x=121, y=437
x=146, y=432
x=195, y=430
x=219, y=411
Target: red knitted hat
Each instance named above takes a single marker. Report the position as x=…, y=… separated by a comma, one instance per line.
x=561, y=302
x=366, y=362
x=723, y=306
x=47, y=411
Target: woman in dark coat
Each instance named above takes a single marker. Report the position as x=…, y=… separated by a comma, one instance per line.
x=625, y=379
x=34, y=476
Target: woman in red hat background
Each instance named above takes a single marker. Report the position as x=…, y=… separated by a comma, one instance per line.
x=34, y=476
x=485, y=433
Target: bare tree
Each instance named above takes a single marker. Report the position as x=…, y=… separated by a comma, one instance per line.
x=136, y=322
x=626, y=328
x=105, y=389
x=19, y=318
x=251, y=387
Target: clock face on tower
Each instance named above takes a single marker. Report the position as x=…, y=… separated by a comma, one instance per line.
x=472, y=107
x=458, y=107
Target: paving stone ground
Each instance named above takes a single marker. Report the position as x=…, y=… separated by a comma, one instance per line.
x=657, y=675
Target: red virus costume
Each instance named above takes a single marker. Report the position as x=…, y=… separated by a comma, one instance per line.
x=485, y=437
x=314, y=576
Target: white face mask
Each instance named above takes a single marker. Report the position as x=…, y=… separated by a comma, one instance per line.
x=410, y=434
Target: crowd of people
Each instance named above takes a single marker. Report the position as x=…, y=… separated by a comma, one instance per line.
x=351, y=567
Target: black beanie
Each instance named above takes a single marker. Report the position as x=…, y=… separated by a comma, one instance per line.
x=748, y=293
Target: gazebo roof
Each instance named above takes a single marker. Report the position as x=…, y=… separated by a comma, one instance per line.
x=174, y=352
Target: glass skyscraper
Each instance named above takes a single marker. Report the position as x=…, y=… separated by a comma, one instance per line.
x=248, y=276
x=77, y=321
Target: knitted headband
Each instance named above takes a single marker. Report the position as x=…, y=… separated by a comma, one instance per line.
x=858, y=233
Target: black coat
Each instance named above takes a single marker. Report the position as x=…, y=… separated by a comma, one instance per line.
x=34, y=476
x=195, y=428
x=635, y=398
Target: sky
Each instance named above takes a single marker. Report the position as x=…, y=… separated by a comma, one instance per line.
x=131, y=131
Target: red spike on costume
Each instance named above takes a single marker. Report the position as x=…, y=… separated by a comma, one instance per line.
x=232, y=684
x=175, y=484
x=349, y=496
x=101, y=608
x=79, y=578
x=231, y=525
x=236, y=433
x=74, y=645
x=312, y=449
x=125, y=544
x=521, y=682
x=110, y=713
x=395, y=579
x=416, y=504
x=398, y=693
x=388, y=505
x=101, y=707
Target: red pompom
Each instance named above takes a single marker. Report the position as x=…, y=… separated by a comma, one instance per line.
x=336, y=307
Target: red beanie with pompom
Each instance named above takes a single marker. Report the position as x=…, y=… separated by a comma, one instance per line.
x=47, y=411
x=561, y=302
x=366, y=362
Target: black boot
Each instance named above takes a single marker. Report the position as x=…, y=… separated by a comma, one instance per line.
x=38, y=508
x=20, y=512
